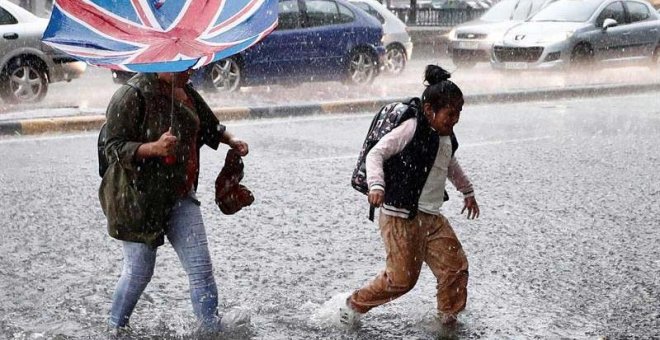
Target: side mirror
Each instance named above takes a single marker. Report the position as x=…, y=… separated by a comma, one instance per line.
x=609, y=22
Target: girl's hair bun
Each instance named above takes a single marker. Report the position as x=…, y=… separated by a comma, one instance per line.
x=435, y=74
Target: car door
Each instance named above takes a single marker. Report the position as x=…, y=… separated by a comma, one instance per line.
x=329, y=36
x=281, y=52
x=9, y=32
x=644, y=29
x=612, y=43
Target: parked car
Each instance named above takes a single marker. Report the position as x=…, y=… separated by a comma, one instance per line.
x=28, y=65
x=316, y=40
x=396, y=39
x=472, y=42
x=581, y=33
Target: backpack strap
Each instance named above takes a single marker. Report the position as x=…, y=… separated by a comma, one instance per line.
x=413, y=101
x=454, y=147
x=143, y=113
x=103, y=160
x=454, y=144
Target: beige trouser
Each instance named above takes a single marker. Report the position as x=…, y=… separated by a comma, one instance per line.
x=409, y=243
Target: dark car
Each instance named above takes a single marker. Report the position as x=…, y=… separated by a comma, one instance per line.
x=316, y=40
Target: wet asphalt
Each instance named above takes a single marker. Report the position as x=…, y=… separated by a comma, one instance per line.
x=566, y=247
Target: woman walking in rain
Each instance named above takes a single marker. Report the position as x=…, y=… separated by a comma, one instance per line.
x=406, y=173
x=156, y=125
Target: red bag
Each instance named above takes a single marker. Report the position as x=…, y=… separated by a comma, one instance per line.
x=230, y=196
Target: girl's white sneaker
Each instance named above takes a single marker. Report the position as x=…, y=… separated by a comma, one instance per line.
x=348, y=316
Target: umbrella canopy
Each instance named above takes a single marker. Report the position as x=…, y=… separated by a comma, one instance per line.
x=158, y=35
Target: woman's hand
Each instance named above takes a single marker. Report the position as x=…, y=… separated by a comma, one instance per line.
x=239, y=145
x=471, y=206
x=376, y=197
x=165, y=145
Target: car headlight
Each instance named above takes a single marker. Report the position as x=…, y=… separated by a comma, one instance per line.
x=452, y=34
x=555, y=37
x=494, y=37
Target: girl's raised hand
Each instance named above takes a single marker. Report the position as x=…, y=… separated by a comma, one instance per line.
x=472, y=207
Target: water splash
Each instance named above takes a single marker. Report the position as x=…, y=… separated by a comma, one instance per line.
x=327, y=314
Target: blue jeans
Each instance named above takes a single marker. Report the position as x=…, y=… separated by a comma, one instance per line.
x=187, y=235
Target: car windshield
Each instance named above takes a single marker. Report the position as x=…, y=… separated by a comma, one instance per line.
x=512, y=10
x=501, y=11
x=568, y=11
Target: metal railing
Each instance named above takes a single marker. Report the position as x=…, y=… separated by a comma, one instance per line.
x=436, y=17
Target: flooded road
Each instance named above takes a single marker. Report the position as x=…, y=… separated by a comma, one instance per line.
x=566, y=246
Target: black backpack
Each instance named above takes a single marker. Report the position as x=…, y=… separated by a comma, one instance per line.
x=389, y=117
x=104, y=163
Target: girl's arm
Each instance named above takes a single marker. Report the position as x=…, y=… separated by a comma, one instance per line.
x=391, y=144
x=462, y=183
x=459, y=179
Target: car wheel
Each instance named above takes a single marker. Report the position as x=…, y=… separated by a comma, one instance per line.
x=464, y=64
x=121, y=77
x=362, y=68
x=582, y=57
x=395, y=60
x=226, y=75
x=24, y=82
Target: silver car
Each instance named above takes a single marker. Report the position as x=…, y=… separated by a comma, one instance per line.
x=27, y=64
x=396, y=39
x=581, y=33
x=472, y=41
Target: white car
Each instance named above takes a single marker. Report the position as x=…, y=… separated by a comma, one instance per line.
x=395, y=37
x=472, y=42
x=578, y=34
x=28, y=65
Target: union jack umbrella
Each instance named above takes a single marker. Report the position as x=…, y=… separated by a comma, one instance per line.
x=158, y=35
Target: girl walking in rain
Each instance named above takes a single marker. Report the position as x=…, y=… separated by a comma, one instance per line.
x=406, y=173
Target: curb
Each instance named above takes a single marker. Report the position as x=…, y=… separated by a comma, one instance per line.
x=94, y=122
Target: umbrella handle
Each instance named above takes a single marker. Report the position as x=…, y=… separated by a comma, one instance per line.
x=171, y=159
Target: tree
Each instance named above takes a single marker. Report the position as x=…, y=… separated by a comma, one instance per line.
x=412, y=16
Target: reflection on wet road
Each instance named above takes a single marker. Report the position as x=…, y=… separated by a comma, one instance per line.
x=566, y=246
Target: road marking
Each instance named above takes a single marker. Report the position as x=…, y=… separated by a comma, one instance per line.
x=37, y=138
x=293, y=119
x=506, y=141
